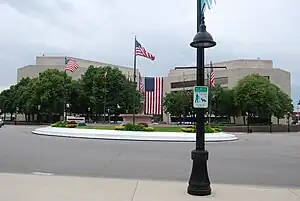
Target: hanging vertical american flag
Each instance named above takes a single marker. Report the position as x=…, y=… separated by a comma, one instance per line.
x=71, y=65
x=212, y=78
x=141, y=83
x=141, y=51
x=153, y=95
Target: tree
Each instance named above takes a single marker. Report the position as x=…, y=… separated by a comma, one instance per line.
x=228, y=107
x=51, y=87
x=178, y=103
x=284, y=106
x=216, y=96
x=107, y=87
x=257, y=96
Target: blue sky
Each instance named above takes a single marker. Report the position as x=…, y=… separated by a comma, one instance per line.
x=103, y=30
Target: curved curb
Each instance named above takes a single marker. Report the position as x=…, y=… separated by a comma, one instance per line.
x=131, y=135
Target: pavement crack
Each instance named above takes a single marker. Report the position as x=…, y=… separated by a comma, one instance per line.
x=294, y=193
x=137, y=183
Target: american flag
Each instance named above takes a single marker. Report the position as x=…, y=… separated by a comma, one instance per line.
x=153, y=95
x=141, y=83
x=141, y=51
x=71, y=65
x=212, y=78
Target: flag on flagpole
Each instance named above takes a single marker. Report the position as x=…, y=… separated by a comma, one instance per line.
x=71, y=65
x=153, y=95
x=141, y=51
x=207, y=3
x=212, y=78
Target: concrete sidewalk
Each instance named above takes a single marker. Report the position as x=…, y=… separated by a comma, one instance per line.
x=18, y=187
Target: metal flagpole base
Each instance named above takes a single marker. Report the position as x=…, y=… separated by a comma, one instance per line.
x=199, y=183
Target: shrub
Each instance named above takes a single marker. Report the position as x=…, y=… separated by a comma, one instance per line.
x=72, y=122
x=143, y=124
x=217, y=129
x=71, y=125
x=120, y=128
x=59, y=124
x=208, y=129
x=82, y=124
x=188, y=130
x=149, y=129
x=134, y=127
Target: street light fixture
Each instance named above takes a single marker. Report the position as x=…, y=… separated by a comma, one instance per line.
x=199, y=183
x=39, y=109
x=88, y=115
x=68, y=107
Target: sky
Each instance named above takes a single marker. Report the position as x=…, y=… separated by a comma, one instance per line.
x=103, y=30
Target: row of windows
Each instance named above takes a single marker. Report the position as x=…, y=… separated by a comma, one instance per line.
x=191, y=83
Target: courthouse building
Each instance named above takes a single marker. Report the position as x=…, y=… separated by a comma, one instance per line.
x=184, y=78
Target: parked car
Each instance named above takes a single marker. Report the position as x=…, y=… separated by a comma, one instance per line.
x=1, y=123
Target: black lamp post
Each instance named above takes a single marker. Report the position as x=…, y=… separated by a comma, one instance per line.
x=88, y=115
x=288, y=117
x=68, y=108
x=298, y=105
x=17, y=110
x=39, y=116
x=199, y=183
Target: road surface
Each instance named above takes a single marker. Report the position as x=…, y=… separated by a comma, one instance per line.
x=256, y=159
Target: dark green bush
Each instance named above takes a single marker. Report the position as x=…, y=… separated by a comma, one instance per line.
x=72, y=122
x=82, y=124
x=134, y=127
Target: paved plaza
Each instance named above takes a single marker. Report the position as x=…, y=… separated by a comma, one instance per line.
x=255, y=159
x=19, y=187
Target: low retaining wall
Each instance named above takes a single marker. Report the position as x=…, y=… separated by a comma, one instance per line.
x=264, y=128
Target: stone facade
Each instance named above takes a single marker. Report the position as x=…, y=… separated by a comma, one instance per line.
x=51, y=62
x=181, y=78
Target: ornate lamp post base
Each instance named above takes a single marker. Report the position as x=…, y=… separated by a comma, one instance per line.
x=199, y=183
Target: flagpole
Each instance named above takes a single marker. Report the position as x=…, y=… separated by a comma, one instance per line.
x=210, y=99
x=104, y=106
x=64, y=92
x=134, y=81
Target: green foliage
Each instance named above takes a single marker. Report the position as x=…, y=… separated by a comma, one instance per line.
x=71, y=125
x=143, y=124
x=178, y=103
x=120, y=128
x=81, y=124
x=208, y=129
x=257, y=96
x=136, y=127
x=59, y=124
x=149, y=129
x=89, y=91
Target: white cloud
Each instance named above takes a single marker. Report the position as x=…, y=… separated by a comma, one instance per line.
x=102, y=30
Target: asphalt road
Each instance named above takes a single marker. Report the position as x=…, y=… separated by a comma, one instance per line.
x=256, y=159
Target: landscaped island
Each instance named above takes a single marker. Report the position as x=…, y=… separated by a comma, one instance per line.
x=137, y=127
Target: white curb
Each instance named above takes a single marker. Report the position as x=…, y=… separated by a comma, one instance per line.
x=131, y=135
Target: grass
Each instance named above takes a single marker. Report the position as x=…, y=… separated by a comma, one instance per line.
x=157, y=129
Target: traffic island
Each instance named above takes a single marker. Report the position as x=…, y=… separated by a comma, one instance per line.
x=131, y=135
